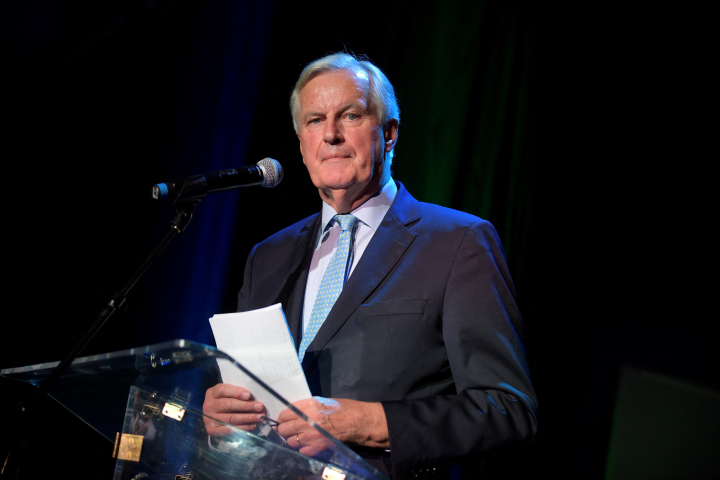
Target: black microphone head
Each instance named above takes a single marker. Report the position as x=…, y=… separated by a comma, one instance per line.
x=272, y=172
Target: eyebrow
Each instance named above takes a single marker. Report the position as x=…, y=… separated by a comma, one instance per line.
x=344, y=108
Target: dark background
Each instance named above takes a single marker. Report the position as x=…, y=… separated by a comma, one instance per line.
x=578, y=130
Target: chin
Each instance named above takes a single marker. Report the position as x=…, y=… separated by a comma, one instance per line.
x=336, y=185
x=338, y=181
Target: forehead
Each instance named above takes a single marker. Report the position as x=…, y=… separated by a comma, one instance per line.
x=329, y=88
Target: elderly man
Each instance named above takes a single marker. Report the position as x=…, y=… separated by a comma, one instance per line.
x=403, y=313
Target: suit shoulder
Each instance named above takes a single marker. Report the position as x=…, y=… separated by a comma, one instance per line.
x=447, y=218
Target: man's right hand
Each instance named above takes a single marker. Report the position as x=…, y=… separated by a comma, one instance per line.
x=233, y=405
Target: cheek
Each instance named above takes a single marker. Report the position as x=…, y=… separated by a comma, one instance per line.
x=308, y=141
x=308, y=152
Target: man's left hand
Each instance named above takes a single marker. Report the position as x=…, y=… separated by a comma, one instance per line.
x=350, y=421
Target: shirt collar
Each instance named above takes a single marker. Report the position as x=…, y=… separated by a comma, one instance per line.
x=371, y=212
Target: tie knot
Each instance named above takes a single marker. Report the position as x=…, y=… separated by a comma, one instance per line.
x=346, y=221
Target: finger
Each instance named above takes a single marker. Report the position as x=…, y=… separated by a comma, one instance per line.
x=237, y=419
x=217, y=426
x=296, y=441
x=310, y=450
x=220, y=430
x=293, y=427
x=225, y=390
x=310, y=442
x=287, y=415
x=231, y=405
x=245, y=419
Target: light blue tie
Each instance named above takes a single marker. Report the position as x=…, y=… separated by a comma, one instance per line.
x=332, y=282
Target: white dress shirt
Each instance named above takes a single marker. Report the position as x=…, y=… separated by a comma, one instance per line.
x=370, y=214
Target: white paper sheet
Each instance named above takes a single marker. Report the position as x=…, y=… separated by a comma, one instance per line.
x=261, y=342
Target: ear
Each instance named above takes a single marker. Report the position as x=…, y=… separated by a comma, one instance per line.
x=390, y=133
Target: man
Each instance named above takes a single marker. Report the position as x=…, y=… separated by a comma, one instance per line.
x=403, y=313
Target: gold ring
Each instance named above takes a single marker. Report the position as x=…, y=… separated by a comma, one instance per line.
x=297, y=437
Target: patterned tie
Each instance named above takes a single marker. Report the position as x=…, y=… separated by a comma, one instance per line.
x=332, y=282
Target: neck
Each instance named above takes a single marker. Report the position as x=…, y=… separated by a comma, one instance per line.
x=346, y=200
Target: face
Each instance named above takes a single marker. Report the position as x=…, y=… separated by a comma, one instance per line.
x=342, y=145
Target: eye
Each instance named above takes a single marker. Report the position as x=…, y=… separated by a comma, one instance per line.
x=314, y=121
x=352, y=116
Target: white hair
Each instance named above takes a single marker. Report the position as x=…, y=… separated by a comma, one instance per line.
x=381, y=96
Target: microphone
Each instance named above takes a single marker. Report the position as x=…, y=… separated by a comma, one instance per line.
x=267, y=173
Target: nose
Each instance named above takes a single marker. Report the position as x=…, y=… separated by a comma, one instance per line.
x=333, y=134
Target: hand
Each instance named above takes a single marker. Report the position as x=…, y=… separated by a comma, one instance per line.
x=349, y=421
x=232, y=405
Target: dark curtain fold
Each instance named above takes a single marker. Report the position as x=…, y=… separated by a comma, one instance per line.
x=465, y=139
x=211, y=125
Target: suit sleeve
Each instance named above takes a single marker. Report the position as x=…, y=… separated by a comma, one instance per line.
x=495, y=404
x=245, y=294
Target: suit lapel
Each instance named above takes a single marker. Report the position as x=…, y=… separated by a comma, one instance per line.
x=293, y=291
x=387, y=246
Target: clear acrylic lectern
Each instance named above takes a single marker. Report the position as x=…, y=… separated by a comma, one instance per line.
x=147, y=401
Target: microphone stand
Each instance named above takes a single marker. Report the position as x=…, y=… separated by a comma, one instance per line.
x=177, y=225
x=14, y=456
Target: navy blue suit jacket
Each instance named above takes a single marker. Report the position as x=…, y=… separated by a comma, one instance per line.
x=427, y=324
